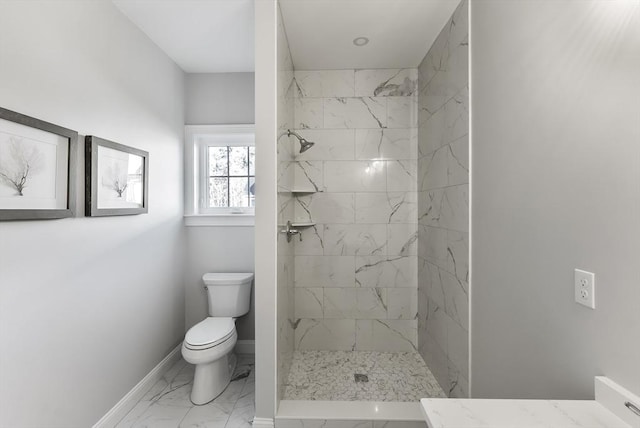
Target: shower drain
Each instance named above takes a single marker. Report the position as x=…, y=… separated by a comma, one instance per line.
x=361, y=377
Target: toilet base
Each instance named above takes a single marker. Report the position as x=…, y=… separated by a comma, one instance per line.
x=210, y=380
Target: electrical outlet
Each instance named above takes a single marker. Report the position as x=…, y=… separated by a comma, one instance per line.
x=584, y=285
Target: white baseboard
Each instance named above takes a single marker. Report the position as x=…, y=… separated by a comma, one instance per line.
x=245, y=347
x=263, y=423
x=128, y=402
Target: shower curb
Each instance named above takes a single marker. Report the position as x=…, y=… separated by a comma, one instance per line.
x=263, y=423
x=292, y=413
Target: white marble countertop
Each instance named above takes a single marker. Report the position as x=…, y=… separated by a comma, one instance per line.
x=606, y=411
x=477, y=413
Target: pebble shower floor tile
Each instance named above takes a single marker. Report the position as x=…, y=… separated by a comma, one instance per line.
x=330, y=375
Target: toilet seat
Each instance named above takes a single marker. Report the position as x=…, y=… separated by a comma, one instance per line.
x=210, y=332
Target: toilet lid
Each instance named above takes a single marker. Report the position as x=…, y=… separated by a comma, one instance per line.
x=210, y=331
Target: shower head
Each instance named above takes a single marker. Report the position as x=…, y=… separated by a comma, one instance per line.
x=304, y=144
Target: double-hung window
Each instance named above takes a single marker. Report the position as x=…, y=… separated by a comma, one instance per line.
x=220, y=169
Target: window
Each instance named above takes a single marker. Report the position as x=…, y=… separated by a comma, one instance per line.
x=231, y=179
x=220, y=168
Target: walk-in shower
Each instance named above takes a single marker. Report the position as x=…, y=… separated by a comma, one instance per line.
x=373, y=297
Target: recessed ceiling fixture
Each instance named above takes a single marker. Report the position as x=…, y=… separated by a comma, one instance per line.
x=360, y=41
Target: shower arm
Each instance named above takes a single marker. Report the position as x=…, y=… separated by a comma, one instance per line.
x=295, y=134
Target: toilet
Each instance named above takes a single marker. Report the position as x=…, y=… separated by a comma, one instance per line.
x=209, y=344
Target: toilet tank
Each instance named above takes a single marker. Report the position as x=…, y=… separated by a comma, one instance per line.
x=229, y=294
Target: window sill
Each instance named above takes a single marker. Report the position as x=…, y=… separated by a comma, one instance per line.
x=196, y=220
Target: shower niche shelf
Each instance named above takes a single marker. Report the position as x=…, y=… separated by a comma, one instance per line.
x=300, y=191
x=299, y=223
x=297, y=192
x=302, y=223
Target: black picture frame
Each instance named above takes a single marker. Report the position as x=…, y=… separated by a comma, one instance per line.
x=52, y=151
x=108, y=190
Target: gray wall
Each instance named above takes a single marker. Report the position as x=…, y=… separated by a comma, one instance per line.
x=217, y=249
x=88, y=306
x=220, y=98
x=555, y=186
x=214, y=99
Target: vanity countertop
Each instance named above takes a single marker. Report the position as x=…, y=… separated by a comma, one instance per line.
x=608, y=410
x=478, y=413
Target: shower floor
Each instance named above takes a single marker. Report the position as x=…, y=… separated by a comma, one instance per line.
x=360, y=376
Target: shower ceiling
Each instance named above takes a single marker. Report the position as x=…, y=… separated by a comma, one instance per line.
x=321, y=32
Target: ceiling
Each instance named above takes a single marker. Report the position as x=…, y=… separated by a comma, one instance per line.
x=217, y=36
x=201, y=36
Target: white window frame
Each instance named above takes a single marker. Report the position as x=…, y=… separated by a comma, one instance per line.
x=198, y=138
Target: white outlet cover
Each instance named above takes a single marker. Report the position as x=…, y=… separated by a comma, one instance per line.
x=584, y=286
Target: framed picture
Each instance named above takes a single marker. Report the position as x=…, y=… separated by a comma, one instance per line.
x=37, y=168
x=116, y=178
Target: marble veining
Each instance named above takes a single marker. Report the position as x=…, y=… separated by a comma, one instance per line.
x=329, y=375
x=402, y=175
x=402, y=239
x=364, y=245
x=389, y=144
x=167, y=403
x=443, y=205
x=331, y=144
x=324, y=271
x=324, y=83
x=329, y=207
x=386, y=82
x=385, y=271
x=479, y=413
x=381, y=335
x=308, y=176
x=405, y=88
x=361, y=240
x=316, y=334
x=361, y=112
x=389, y=207
x=402, y=112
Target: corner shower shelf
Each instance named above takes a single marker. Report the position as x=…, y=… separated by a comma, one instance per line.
x=303, y=223
x=291, y=229
x=303, y=191
x=299, y=223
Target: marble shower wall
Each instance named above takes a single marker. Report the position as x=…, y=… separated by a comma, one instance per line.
x=356, y=268
x=443, y=200
x=285, y=257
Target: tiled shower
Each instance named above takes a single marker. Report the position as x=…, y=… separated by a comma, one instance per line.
x=380, y=265
x=355, y=269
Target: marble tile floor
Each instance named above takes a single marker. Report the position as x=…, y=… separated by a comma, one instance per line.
x=331, y=375
x=167, y=404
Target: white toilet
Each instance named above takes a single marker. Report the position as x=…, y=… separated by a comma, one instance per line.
x=209, y=344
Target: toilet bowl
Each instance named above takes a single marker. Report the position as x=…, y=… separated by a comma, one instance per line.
x=209, y=344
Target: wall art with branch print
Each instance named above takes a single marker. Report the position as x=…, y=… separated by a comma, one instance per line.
x=116, y=178
x=37, y=168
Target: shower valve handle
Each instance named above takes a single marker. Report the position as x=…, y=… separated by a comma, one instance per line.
x=290, y=231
